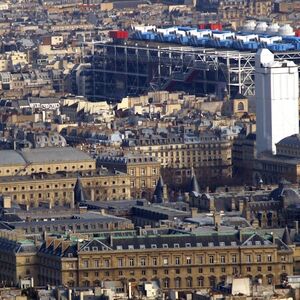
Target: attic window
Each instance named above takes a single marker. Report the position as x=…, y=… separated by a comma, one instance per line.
x=119, y=247
x=142, y=246
x=257, y=243
x=153, y=246
x=187, y=245
x=222, y=244
x=176, y=245
x=199, y=245
x=86, y=249
x=210, y=244
x=95, y=248
x=233, y=243
x=249, y=243
x=165, y=245
x=130, y=247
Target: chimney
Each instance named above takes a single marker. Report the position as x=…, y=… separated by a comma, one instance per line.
x=82, y=209
x=194, y=212
x=217, y=220
x=241, y=206
x=240, y=235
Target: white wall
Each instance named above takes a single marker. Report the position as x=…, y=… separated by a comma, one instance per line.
x=277, y=93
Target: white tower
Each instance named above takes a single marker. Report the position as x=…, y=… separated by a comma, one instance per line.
x=277, y=92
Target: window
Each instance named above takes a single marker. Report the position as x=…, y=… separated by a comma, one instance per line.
x=223, y=270
x=270, y=279
x=211, y=259
x=106, y=263
x=154, y=261
x=188, y=260
x=120, y=262
x=143, y=272
x=200, y=281
x=177, y=260
x=222, y=259
x=200, y=259
x=131, y=262
x=258, y=269
x=177, y=282
x=143, y=261
x=177, y=271
x=233, y=258
x=85, y=263
x=270, y=268
x=189, y=282
x=212, y=270
x=212, y=281
x=96, y=263
x=269, y=257
x=258, y=258
x=166, y=271
x=248, y=269
x=166, y=283
x=248, y=258
x=165, y=261
x=283, y=258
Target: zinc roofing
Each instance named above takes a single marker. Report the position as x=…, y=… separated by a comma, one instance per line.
x=9, y=157
x=62, y=154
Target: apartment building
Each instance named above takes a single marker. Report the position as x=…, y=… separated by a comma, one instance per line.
x=209, y=155
x=143, y=171
x=179, y=261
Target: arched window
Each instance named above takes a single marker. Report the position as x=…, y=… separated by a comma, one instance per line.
x=86, y=283
x=241, y=106
x=189, y=282
x=270, y=278
x=212, y=281
x=177, y=282
x=97, y=283
x=201, y=281
x=166, y=283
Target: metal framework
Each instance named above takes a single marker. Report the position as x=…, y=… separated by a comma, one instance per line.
x=119, y=70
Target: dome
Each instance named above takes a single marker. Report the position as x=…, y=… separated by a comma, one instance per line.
x=286, y=30
x=292, y=140
x=289, y=195
x=261, y=27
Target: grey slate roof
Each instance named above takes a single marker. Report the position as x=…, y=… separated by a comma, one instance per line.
x=292, y=140
x=11, y=157
x=55, y=155
x=42, y=155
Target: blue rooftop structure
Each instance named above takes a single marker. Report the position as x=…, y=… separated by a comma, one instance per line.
x=242, y=41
